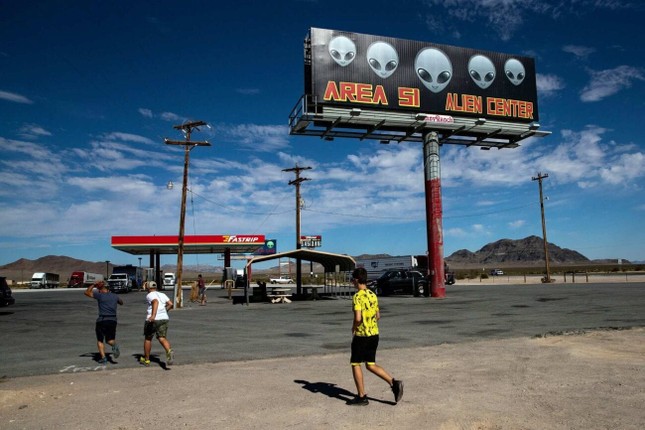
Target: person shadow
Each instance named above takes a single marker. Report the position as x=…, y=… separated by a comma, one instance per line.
x=154, y=358
x=96, y=357
x=333, y=391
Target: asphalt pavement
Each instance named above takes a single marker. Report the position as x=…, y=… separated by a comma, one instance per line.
x=52, y=331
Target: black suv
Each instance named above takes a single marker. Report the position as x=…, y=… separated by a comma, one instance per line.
x=400, y=282
x=5, y=293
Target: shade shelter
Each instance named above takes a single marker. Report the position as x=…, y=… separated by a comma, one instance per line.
x=331, y=262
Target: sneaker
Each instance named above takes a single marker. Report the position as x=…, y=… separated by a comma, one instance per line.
x=116, y=351
x=359, y=401
x=103, y=361
x=397, y=389
x=143, y=361
x=170, y=356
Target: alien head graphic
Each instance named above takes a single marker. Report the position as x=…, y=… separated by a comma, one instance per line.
x=382, y=58
x=433, y=68
x=342, y=50
x=514, y=71
x=481, y=70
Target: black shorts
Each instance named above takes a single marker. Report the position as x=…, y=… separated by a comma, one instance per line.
x=364, y=350
x=105, y=330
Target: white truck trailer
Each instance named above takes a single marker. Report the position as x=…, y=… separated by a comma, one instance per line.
x=377, y=265
x=45, y=280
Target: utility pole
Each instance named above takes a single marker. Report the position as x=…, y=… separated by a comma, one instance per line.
x=539, y=178
x=297, y=183
x=188, y=145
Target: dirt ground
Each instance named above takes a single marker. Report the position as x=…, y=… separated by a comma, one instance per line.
x=593, y=380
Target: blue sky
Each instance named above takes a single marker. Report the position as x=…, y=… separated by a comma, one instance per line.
x=89, y=90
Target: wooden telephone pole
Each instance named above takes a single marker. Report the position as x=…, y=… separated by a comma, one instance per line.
x=188, y=145
x=539, y=178
x=297, y=183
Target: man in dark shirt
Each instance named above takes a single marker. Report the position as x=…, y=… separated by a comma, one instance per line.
x=106, y=322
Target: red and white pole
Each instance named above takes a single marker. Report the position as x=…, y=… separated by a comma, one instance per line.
x=434, y=214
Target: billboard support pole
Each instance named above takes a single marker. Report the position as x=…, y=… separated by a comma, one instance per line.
x=434, y=215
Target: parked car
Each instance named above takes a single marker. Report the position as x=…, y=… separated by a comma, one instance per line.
x=497, y=272
x=449, y=278
x=281, y=280
x=400, y=282
x=5, y=293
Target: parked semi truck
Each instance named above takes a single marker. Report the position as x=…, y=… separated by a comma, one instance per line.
x=45, y=280
x=136, y=275
x=119, y=283
x=83, y=279
x=377, y=266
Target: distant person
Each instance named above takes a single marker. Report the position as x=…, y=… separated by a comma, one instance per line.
x=201, y=285
x=365, y=339
x=194, y=292
x=156, y=324
x=106, y=322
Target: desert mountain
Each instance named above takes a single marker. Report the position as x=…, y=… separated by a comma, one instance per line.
x=525, y=251
x=504, y=252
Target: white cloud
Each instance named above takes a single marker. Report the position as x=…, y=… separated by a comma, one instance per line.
x=146, y=112
x=504, y=16
x=262, y=138
x=548, y=85
x=455, y=232
x=165, y=116
x=517, y=224
x=608, y=82
x=129, y=137
x=579, y=51
x=15, y=98
x=623, y=169
x=172, y=117
x=32, y=131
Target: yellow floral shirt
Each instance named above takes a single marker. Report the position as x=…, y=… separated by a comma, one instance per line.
x=366, y=302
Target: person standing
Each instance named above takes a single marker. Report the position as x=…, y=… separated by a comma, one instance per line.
x=202, y=290
x=365, y=339
x=156, y=324
x=106, y=322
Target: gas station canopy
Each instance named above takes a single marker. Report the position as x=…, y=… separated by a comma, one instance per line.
x=195, y=244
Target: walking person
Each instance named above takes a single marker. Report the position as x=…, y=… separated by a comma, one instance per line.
x=106, y=322
x=202, y=290
x=156, y=324
x=365, y=340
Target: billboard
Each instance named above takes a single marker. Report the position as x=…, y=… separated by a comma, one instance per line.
x=270, y=247
x=353, y=70
x=311, y=241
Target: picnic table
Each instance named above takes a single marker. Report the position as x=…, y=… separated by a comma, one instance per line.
x=279, y=294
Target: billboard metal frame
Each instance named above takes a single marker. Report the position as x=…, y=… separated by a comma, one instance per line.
x=310, y=118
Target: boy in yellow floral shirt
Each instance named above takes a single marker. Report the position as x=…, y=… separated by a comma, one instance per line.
x=365, y=339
